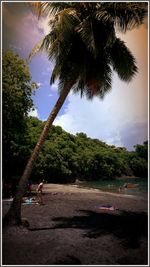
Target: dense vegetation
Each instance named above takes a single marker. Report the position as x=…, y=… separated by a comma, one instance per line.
x=17, y=89
x=64, y=157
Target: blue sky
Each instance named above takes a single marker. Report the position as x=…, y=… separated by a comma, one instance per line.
x=120, y=119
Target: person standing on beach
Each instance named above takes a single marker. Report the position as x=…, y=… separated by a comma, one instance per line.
x=40, y=193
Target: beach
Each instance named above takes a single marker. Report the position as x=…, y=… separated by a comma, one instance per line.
x=70, y=229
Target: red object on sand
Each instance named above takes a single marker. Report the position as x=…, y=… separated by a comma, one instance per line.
x=105, y=207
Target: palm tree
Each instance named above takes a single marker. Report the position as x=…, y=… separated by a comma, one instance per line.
x=83, y=45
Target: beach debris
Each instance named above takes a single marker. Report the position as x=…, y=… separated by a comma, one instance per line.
x=106, y=207
x=29, y=201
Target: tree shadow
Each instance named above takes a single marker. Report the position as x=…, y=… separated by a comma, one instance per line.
x=67, y=260
x=128, y=227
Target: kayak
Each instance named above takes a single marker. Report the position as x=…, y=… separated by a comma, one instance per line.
x=105, y=207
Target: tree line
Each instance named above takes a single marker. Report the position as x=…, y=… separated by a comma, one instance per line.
x=66, y=157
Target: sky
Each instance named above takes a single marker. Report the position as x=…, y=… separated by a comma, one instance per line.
x=120, y=119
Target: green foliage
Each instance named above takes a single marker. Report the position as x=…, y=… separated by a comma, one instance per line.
x=142, y=150
x=66, y=157
x=139, y=167
x=138, y=160
x=16, y=95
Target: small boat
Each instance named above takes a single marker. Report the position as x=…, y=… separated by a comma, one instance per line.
x=130, y=185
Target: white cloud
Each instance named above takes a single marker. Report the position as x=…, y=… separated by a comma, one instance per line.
x=33, y=113
x=91, y=117
x=107, y=119
x=43, y=25
x=50, y=95
x=54, y=86
x=39, y=84
x=138, y=133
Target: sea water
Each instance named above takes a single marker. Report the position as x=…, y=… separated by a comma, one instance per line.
x=113, y=186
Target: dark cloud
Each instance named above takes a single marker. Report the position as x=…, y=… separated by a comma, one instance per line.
x=134, y=134
x=20, y=27
x=11, y=14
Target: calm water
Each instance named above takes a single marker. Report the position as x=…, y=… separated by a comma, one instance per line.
x=113, y=186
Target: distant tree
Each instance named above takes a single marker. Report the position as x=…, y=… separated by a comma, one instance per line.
x=142, y=150
x=139, y=167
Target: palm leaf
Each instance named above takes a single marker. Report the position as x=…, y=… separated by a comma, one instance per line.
x=36, y=49
x=128, y=15
x=55, y=73
x=37, y=7
x=122, y=60
x=85, y=29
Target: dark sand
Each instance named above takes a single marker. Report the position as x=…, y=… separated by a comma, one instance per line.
x=70, y=230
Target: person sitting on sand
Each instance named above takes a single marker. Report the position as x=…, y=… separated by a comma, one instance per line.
x=40, y=193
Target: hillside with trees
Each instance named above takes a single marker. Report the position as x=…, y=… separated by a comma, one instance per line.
x=66, y=157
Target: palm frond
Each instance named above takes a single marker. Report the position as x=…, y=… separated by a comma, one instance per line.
x=37, y=7
x=123, y=61
x=95, y=76
x=54, y=8
x=36, y=49
x=127, y=16
x=104, y=16
x=99, y=84
x=67, y=19
x=48, y=40
x=85, y=29
x=55, y=73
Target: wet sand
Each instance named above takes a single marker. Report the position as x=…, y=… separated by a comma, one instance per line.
x=70, y=229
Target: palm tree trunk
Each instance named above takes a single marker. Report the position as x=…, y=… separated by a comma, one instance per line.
x=13, y=217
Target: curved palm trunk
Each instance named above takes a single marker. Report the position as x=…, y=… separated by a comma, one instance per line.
x=13, y=217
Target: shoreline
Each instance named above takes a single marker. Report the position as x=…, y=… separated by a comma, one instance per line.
x=73, y=188
x=127, y=177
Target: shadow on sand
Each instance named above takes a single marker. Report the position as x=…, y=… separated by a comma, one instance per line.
x=68, y=260
x=128, y=227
